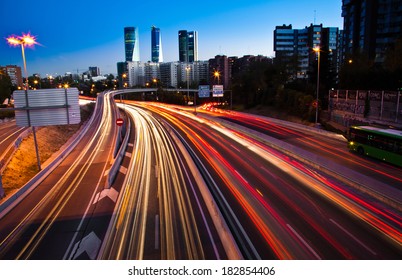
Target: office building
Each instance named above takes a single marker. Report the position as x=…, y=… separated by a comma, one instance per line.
x=169, y=74
x=156, y=45
x=219, y=71
x=188, y=46
x=15, y=74
x=131, y=44
x=294, y=49
x=94, y=71
x=371, y=27
x=136, y=73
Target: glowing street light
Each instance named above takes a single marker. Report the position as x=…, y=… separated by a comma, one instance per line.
x=317, y=50
x=217, y=75
x=26, y=40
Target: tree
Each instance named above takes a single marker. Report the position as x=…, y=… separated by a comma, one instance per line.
x=6, y=87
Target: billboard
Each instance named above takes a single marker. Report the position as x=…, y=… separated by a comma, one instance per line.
x=217, y=91
x=47, y=107
x=203, y=91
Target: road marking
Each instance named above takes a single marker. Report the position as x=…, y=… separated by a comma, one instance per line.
x=157, y=232
x=90, y=244
x=111, y=193
x=259, y=192
x=156, y=171
x=353, y=237
x=304, y=242
x=130, y=144
x=123, y=170
x=241, y=176
x=129, y=155
x=235, y=148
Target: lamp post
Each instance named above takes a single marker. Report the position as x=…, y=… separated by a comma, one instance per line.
x=26, y=40
x=317, y=50
x=187, y=78
x=217, y=75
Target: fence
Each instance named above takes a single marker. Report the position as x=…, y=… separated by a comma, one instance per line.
x=372, y=105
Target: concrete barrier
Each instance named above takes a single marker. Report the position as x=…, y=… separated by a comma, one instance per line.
x=119, y=158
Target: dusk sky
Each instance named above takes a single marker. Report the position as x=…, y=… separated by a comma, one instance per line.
x=77, y=34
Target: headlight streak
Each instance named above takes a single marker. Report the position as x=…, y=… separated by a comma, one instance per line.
x=345, y=200
x=268, y=125
x=51, y=216
x=154, y=156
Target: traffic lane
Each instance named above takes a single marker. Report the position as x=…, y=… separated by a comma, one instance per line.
x=333, y=221
x=251, y=214
x=333, y=149
x=242, y=163
x=9, y=132
x=87, y=202
x=170, y=223
x=16, y=223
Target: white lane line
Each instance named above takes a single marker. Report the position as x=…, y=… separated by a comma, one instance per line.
x=106, y=172
x=241, y=176
x=353, y=237
x=157, y=232
x=129, y=155
x=304, y=242
x=130, y=144
x=235, y=148
x=123, y=170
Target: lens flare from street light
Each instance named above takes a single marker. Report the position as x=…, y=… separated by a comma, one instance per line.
x=316, y=49
x=25, y=39
x=13, y=41
x=28, y=39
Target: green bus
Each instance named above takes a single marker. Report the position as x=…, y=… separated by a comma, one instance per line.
x=381, y=143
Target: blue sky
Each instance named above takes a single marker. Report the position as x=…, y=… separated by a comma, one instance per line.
x=77, y=34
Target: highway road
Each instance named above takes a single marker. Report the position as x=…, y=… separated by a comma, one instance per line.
x=162, y=213
x=191, y=188
x=9, y=132
x=51, y=222
x=332, y=148
x=282, y=208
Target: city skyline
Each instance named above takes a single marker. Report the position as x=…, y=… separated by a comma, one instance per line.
x=71, y=43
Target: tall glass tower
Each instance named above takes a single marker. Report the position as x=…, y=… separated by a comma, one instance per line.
x=131, y=44
x=192, y=46
x=188, y=46
x=156, y=45
x=183, y=46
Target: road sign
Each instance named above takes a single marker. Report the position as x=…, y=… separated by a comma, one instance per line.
x=119, y=122
x=203, y=91
x=217, y=91
x=47, y=107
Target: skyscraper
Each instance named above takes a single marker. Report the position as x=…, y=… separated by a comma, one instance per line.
x=183, y=46
x=188, y=46
x=156, y=45
x=131, y=44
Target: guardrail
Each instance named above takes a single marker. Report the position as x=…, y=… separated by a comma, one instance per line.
x=14, y=199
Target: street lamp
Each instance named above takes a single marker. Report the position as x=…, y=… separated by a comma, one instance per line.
x=317, y=50
x=188, y=68
x=217, y=75
x=26, y=40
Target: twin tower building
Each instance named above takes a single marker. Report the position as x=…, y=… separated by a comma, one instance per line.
x=133, y=72
x=188, y=45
